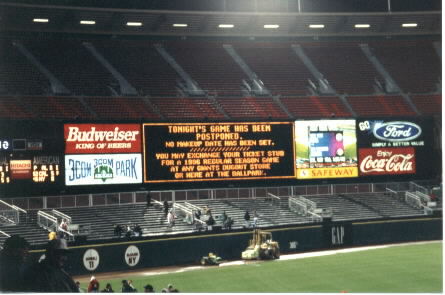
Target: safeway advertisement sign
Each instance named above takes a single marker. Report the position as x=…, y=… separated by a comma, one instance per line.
x=102, y=138
x=383, y=161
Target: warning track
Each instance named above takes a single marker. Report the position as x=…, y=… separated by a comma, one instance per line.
x=177, y=269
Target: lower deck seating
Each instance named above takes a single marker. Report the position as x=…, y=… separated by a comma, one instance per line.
x=101, y=220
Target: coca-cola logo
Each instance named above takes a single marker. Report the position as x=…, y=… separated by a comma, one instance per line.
x=397, y=131
x=387, y=161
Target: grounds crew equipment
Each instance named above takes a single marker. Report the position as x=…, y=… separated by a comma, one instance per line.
x=261, y=246
x=212, y=259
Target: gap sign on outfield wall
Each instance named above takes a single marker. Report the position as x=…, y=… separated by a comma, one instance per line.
x=102, y=138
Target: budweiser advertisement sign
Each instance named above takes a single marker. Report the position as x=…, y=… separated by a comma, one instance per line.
x=102, y=138
x=20, y=169
x=383, y=161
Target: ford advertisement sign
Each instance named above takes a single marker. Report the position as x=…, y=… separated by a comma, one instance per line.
x=402, y=148
x=397, y=131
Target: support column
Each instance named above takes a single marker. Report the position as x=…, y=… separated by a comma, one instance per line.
x=56, y=86
x=125, y=87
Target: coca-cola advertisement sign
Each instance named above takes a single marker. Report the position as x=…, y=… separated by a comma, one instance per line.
x=102, y=138
x=383, y=161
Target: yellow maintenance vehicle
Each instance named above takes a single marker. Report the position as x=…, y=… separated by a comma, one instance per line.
x=261, y=246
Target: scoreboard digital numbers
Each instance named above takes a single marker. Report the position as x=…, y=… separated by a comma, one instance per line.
x=45, y=168
x=4, y=170
x=178, y=152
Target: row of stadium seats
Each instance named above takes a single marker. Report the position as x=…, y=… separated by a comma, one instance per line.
x=211, y=108
x=413, y=65
x=101, y=219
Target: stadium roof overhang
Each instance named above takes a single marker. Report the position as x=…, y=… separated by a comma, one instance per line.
x=67, y=19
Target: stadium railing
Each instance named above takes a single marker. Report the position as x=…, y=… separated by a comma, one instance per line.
x=274, y=200
x=61, y=215
x=416, y=201
x=297, y=206
x=11, y=215
x=46, y=221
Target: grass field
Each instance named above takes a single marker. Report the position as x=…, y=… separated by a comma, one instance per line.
x=396, y=269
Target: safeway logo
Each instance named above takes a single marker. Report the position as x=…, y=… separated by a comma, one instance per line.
x=397, y=131
x=102, y=138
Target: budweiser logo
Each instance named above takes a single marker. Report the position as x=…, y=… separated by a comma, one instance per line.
x=93, y=135
x=394, y=163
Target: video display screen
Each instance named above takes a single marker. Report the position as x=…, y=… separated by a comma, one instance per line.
x=325, y=149
x=179, y=152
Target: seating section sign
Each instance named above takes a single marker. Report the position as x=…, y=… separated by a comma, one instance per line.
x=177, y=152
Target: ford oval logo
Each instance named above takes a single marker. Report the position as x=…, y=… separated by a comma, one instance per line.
x=397, y=131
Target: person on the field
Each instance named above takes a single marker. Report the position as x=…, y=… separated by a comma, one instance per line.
x=81, y=290
x=93, y=286
x=12, y=264
x=149, y=289
x=126, y=288
x=130, y=283
x=108, y=289
x=49, y=274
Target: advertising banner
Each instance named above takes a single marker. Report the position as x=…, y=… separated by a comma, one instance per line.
x=102, y=138
x=103, y=169
x=395, y=147
x=383, y=161
x=20, y=169
x=326, y=149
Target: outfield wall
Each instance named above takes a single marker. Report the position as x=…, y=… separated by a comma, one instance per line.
x=181, y=250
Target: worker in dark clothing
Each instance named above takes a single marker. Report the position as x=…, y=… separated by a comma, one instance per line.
x=148, y=198
x=166, y=207
x=247, y=219
x=12, y=264
x=49, y=275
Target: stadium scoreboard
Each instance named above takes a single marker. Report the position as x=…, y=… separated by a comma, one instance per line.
x=179, y=152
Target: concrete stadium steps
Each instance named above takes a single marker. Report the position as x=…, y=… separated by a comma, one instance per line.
x=268, y=214
x=103, y=218
x=386, y=205
x=27, y=228
x=217, y=208
x=343, y=209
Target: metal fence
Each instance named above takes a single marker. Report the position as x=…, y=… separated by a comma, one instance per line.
x=123, y=198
